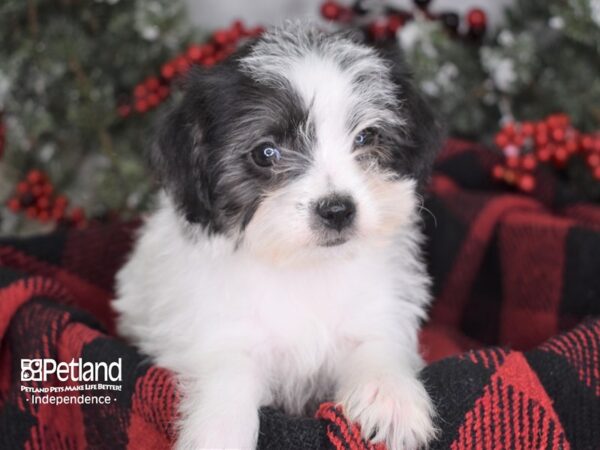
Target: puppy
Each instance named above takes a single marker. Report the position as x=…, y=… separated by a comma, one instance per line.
x=282, y=265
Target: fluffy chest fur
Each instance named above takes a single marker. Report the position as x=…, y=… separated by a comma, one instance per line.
x=180, y=303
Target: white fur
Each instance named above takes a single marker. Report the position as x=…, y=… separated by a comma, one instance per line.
x=269, y=317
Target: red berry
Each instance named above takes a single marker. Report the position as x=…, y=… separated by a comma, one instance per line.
x=519, y=140
x=44, y=216
x=182, y=64
x=233, y=35
x=527, y=128
x=141, y=106
x=541, y=139
x=61, y=201
x=210, y=61
x=14, y=204
x=587, y=142
x=221, y=37
x=572, y=145
x=194, y=53
x=560, y=156
x=152, y=84
x=529, y=162
x=395, y=22
x=207, y=50
x=502, y=140
x=544, y=154
x=43, y=202
x=168, y=71
x=476, y=18
x=593, y=160
x=512, y=162
x=526, y=183
x=140, y=91
x=541, y=127
x=558, y=134
x=23, y=187
x=153, y=100
x=238, y=26
x=378, y=30
x=498, y=172
x=35, y=176
x=330, y=10
x=558, y=120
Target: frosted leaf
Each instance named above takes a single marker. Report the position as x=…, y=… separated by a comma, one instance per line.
x=595, y=11
x=4, y=88
x=506, y=38
x=150, y=33
x=46, y=153
x=418, y=33
x=430, y=88
x=501, y=69
x=556, y=23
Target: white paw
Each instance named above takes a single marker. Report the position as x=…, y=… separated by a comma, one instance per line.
x=229, y=432
x=396, y=411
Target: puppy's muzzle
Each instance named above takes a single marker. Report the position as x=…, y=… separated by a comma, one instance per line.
x=336, y=212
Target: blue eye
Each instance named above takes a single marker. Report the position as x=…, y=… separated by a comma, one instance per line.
x=266, y=155
x=360, y=138
x=365, y=137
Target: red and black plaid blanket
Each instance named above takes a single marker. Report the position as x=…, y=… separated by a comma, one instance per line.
x=513, y=341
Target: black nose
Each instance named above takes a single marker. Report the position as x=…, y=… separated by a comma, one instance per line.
x=336, y=211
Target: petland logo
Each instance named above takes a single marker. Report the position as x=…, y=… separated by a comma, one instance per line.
x=76, y=370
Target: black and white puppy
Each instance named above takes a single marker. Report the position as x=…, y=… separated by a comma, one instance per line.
x=283, y=263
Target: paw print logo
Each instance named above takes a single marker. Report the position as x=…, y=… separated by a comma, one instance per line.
x=31, y=370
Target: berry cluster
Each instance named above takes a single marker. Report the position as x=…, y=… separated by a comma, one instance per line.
x=386, y=26
x=551, y=141
x=152, y=91
x=35, y=196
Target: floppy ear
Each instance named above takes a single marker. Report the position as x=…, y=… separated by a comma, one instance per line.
x=424, y=130
x=180, y=159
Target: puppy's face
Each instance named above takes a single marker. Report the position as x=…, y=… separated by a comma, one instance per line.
x=302, y=143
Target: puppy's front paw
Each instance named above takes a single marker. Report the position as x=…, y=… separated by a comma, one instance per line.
x=218, y=432
x=396, y=411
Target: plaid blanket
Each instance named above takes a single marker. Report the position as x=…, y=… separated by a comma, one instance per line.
x=513, y=341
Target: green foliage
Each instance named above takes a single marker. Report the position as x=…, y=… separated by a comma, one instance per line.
x=63, y=66
x=544, y=58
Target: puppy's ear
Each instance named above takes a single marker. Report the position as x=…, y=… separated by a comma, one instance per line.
x=180, y=159
x=424, y=130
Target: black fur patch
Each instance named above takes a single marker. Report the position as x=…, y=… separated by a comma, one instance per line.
x=202, y=154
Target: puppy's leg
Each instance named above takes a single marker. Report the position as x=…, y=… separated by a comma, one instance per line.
x=219, y=408
x=378, y=388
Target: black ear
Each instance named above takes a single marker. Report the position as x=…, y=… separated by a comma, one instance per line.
x=180, y=159
x=425, y=131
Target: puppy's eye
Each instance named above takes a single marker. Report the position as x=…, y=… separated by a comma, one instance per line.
x=365, y=137
x=266, y=155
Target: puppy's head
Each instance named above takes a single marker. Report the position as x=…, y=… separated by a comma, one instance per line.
x=302, y=143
